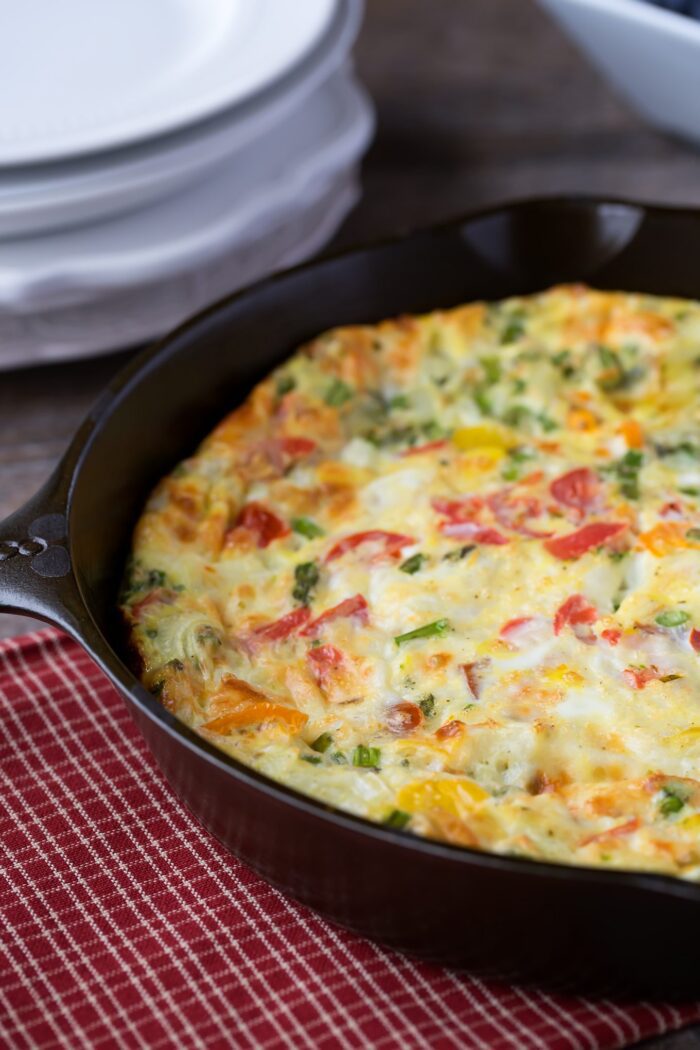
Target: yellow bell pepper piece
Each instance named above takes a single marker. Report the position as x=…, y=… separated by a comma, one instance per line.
x=483, y=436
x=686, y=738
x=452, y=796
x=564, y=674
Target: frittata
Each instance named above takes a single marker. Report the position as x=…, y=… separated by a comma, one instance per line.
x=442, y=572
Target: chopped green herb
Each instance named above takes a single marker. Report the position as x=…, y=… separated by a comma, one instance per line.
x=307, y=527
x=632, y=459
x=155, y=578
x=613, y=375
x=413, y=564
x=627, y=470
x=516, y=415
x=338, y=393
x=514, y=330
x=322, y=743
x=492, y=369
x=683, y=448
x=397, y=819
x=436, y=629
x=208, y=635
x=609, y=358
x=366, y=757
x=563, y=362
x=672, y=618
x=516, y=457
x=468, y=707
x=693, y=534
x=140, y=580
x=284, y=385
x=306, y=577
x=313, y=760
x=432, y=430
x=615, y=556
x=672, y=803
x=152, y=632
x=410, y=434
x=399, y=401
x=482, y=401
x=670, y=677
x=460, y=552
x=427, y=705
x=339, y=758
x=519, y=415
x=690, y=491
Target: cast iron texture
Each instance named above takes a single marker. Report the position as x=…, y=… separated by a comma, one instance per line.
x=61, y=558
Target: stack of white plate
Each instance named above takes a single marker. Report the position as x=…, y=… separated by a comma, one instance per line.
x=156, y=154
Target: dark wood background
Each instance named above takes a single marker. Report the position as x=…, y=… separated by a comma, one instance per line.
x=477, y=101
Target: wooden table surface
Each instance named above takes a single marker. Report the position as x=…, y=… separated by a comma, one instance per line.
x=477, y=101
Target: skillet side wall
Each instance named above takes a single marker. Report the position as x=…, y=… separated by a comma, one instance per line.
x=457, y=910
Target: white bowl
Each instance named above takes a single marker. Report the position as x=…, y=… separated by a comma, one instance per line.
x=42, y=198
x=651, y=55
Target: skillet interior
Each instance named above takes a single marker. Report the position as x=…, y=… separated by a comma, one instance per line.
x=496, y=915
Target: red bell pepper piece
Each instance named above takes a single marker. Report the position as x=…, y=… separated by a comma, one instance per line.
x=473, y=532
x=574, y=611
x=574, y=544
x=284, y=627
x=404, y=718
x=356, y=607
x=392, y=542
x=429, y=446
x=579, y=489
x=264, y=525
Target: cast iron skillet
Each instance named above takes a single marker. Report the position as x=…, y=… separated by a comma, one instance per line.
x=61, y=557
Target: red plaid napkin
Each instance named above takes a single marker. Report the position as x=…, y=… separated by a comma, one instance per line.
x=124, y=924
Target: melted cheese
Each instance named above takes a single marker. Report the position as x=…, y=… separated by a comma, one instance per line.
x=498, y=509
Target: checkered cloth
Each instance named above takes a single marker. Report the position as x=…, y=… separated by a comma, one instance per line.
x=124, y=924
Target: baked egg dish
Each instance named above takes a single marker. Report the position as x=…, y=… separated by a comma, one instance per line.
x=442, y=573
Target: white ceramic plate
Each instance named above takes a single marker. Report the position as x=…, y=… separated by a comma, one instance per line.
x=123, y=282
x=84, y=75
x=328, y=132
x=651, y=55
x=43, y=198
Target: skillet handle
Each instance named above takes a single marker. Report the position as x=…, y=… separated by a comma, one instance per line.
x=36, y=574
